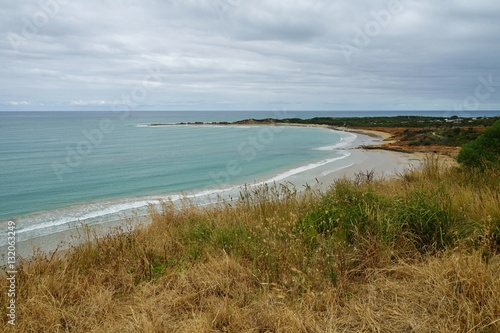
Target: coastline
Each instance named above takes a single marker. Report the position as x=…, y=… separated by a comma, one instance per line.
x=383, y=163
x=377, y=134
x=405, y=159
x=447, y=160
x=398, y=254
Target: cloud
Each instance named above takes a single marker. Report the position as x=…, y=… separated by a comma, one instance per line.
x=235, y=54
x=18, y=103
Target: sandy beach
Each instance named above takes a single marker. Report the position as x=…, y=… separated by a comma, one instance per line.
x=372, y=133
x=383, y=163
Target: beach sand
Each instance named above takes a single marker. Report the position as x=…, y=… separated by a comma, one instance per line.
x=372, y=133
x=383, y=163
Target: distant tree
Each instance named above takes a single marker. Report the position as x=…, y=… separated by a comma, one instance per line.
x=484, y=151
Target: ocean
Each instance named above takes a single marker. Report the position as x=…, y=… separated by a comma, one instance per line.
x=59, y=170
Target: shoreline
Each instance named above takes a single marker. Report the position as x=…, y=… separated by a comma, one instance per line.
x=371, y=133
x=384, y=163
x=391, y=251
x=377, y=134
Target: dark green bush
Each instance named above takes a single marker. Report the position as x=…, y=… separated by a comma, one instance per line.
x=349, y=213
x=484, y=151
x=427, y=221
x=345, y=212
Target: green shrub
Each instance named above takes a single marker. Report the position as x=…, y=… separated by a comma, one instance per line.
x=346, y=211
x=427, y=221
x=350, y=213
x=484, y=151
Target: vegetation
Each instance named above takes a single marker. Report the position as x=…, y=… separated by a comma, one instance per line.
x=454, y=137
x=484, y=151
x=395, y=121
x=418, y=253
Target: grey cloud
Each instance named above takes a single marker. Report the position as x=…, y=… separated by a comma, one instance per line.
x=254, y=54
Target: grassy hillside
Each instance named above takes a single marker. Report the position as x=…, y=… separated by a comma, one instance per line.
x=419, y=253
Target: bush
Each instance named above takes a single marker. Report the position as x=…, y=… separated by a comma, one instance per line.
x=484, y=151
x=349, y=214
x=428, y=221
x=345, y=212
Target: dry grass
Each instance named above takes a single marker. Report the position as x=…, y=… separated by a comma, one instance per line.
x=352, y=260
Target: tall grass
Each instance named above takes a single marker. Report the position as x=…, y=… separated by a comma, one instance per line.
x=418, y=253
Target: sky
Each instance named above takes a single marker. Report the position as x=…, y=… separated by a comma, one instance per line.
x=250, y=55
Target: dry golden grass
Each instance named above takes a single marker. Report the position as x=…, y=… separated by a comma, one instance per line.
x=248, y=267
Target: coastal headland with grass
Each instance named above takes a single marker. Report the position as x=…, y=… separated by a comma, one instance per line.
x=406, y=239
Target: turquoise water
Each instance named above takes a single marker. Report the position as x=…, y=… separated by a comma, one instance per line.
x=59, y=169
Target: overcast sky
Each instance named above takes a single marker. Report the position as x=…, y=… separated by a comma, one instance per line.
x=249, y=55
